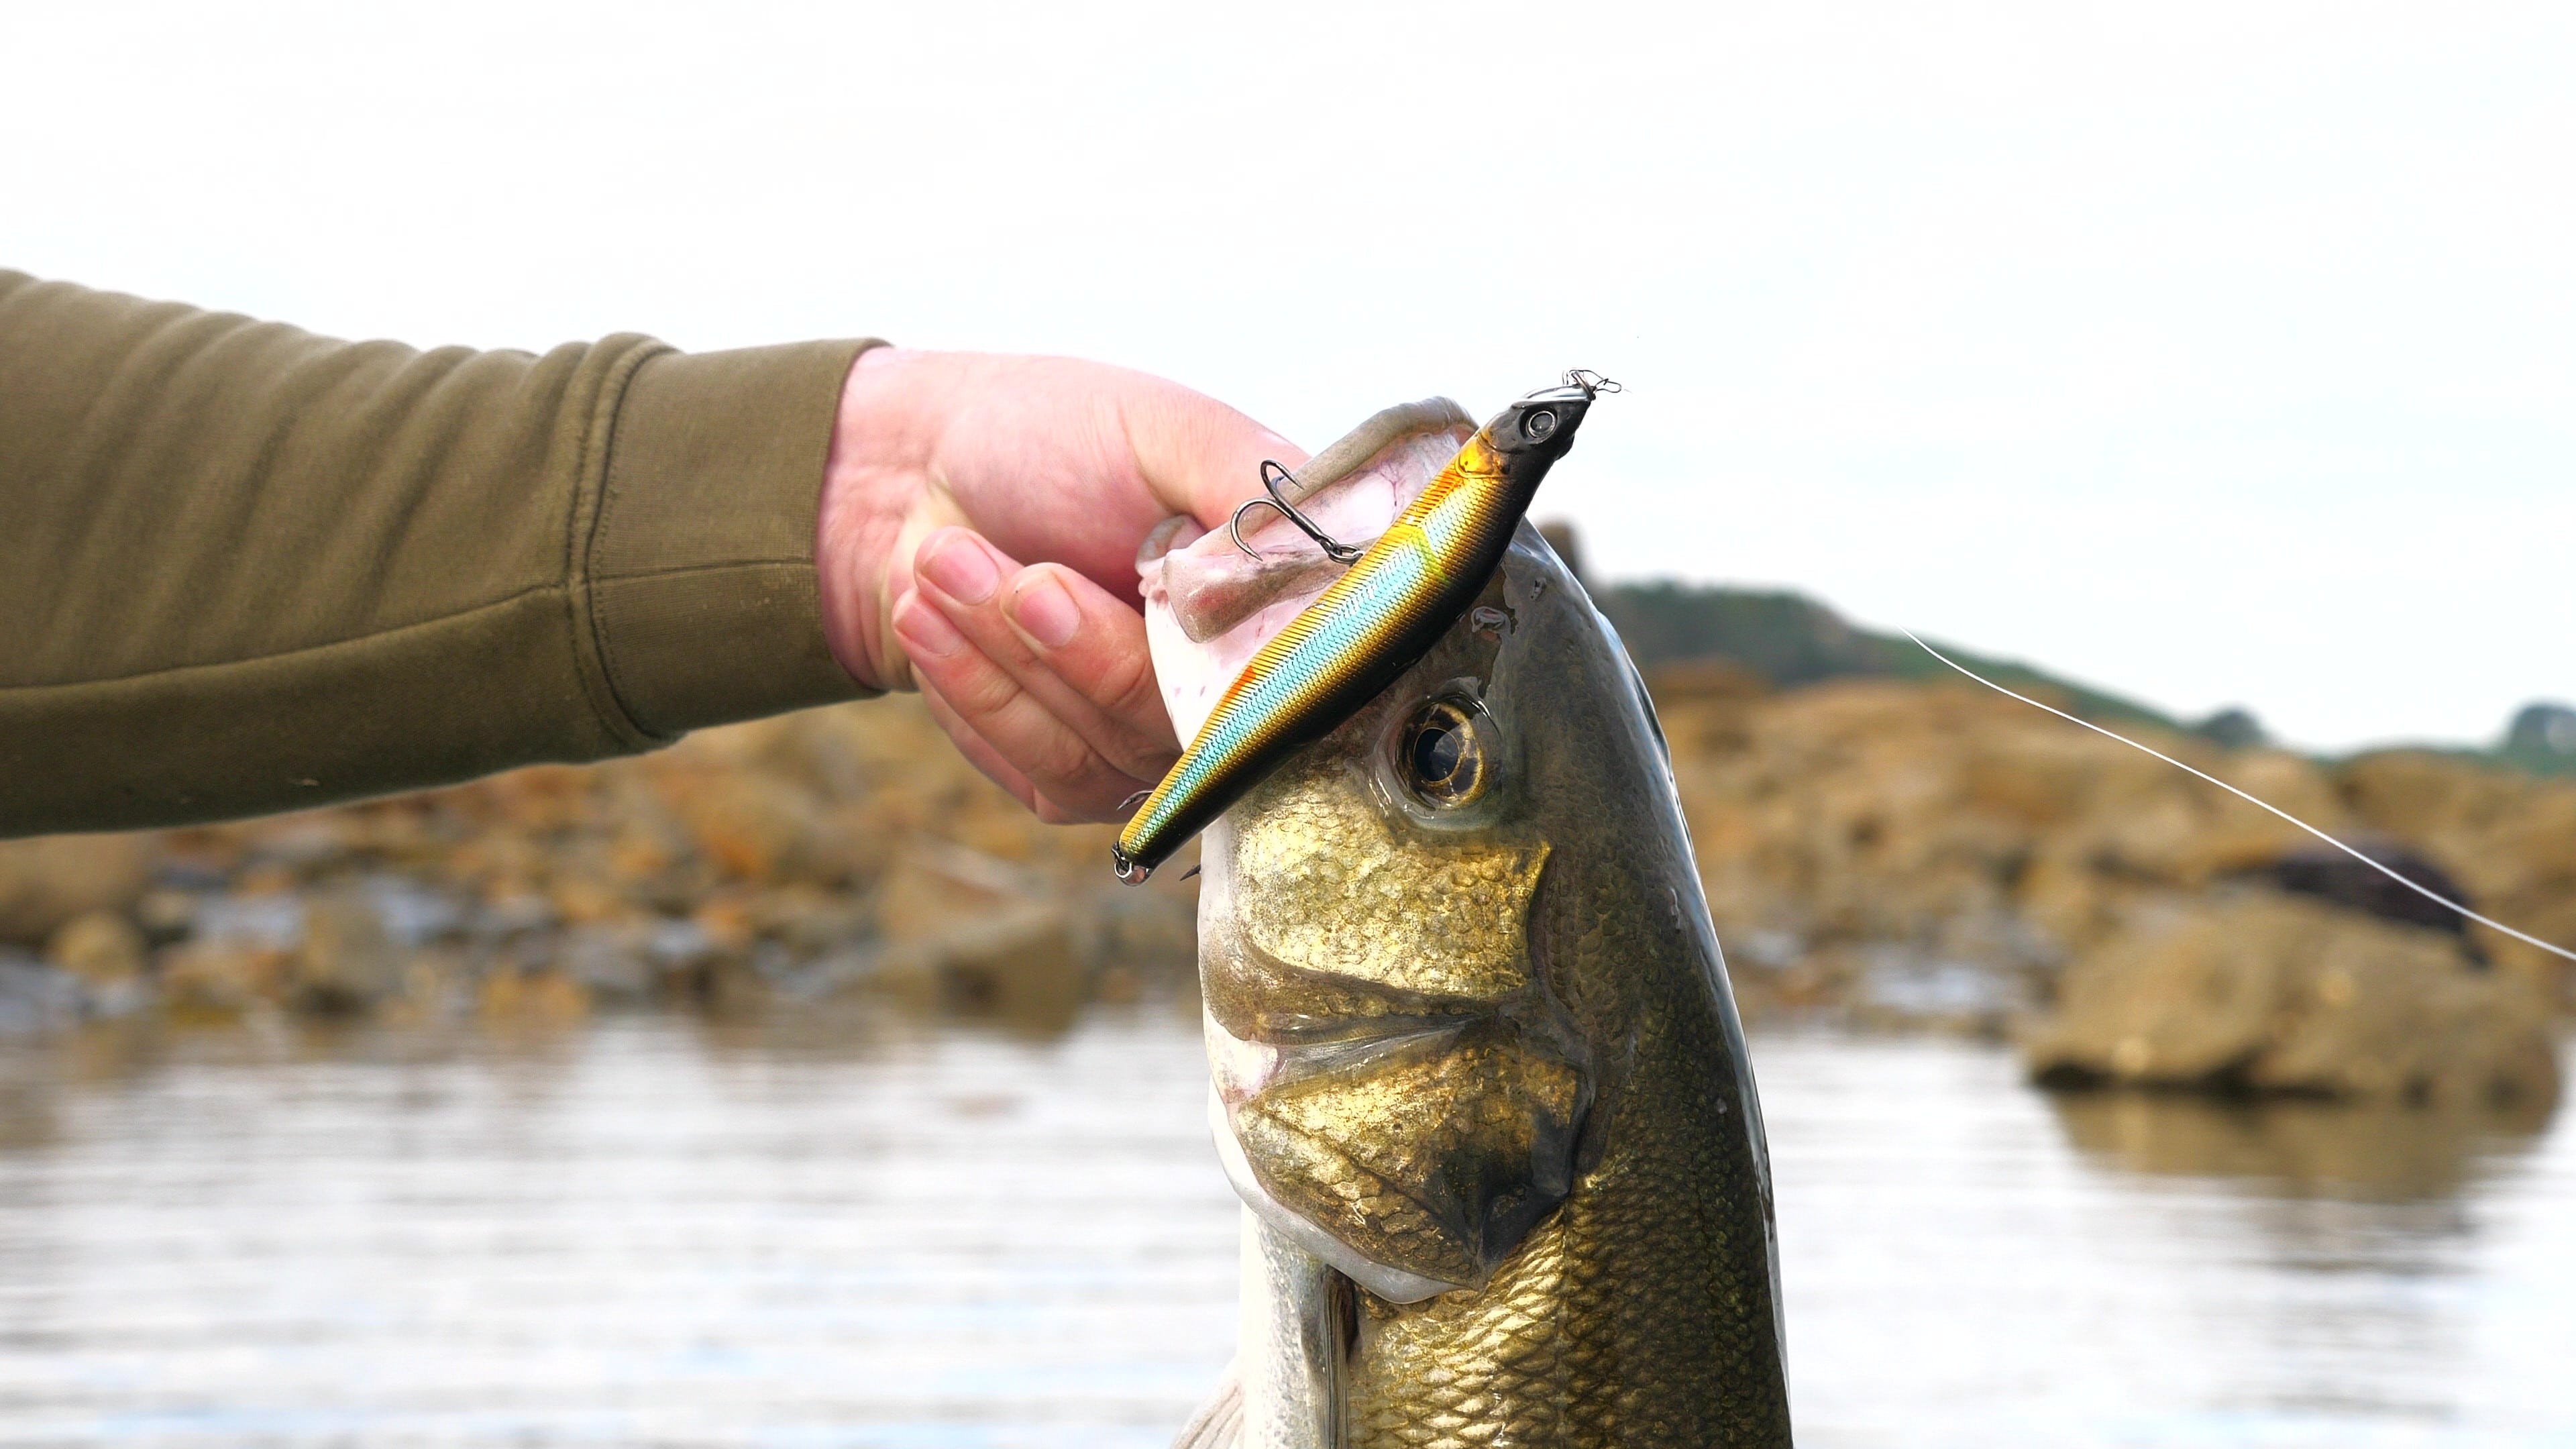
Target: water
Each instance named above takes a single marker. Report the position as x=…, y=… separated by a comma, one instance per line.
x=656, y=1232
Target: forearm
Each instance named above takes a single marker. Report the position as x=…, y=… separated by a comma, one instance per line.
x=246, y=569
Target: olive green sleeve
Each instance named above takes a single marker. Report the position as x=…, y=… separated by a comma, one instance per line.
x=247, y=569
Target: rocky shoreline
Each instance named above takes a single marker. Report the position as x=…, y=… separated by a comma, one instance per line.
x=1902, y=854
x=1880, y=854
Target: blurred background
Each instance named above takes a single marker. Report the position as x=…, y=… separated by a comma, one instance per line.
x=2205, y=369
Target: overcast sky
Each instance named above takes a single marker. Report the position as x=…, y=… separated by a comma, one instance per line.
x=2211, y=353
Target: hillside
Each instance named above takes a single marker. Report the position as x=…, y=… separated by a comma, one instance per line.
x=1790, y=640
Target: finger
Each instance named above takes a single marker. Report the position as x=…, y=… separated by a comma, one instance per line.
x=1094, y=645
x=980, y=753
x=1199, y=456
x=1055, y=758
x=1076, y=650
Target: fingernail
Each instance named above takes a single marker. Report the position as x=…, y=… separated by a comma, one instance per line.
x=924, y=629
x=1046, y=611
x=962, y=569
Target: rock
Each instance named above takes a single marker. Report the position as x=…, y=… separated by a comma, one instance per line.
x=166, y=915
x=541, y=998
x=35, y=998
x=2508, y=838
x=220, y=978
x=47, y=881
x=348, y=960
x=102, y=949
x=2332, y=876
x=1153, y=935
x=1023, y=967
x=1686, y=680
x=754, y=827
x=2264, y=995
x=614, y=962
x=2315, y=1148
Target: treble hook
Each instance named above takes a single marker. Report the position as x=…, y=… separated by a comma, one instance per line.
x=1271, y=476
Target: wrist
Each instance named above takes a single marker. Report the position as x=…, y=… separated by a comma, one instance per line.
x=877, y=502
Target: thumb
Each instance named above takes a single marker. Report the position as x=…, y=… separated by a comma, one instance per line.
x=1200, y=457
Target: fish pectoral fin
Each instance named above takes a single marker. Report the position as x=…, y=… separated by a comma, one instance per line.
x=1219, y=1422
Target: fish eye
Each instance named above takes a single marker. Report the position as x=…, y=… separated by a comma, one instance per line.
x=1539, y=424
x=1443, y=760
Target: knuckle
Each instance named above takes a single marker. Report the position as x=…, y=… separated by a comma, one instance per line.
x=981, y=690
x=1128, y=686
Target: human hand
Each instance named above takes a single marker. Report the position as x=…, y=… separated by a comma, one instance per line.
x=977, y=539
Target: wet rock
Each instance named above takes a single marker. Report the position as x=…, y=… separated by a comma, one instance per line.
x=103, y=949
x=2332, y=876
x=2263, y=995
x=753, y=826
x=1022, y=967
x=513, y=915
x=348, y=959
x=263, y=922
x=35, y=998
x=412, y=913
x=2508, y=839
x=166, y=915
x=1153, y=934
x=220, y=978
x=46, y=882
x=2366, y=1150
x=539, y=998
x=614, y=962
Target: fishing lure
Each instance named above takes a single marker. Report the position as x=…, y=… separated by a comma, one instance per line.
x=1398, y=598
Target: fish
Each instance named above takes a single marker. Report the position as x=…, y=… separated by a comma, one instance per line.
x=1368, y=624
x=1476, y=1072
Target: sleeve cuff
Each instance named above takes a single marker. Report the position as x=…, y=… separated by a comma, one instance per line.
x=702, y=595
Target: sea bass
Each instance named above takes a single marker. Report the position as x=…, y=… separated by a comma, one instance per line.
x=1476, y=1069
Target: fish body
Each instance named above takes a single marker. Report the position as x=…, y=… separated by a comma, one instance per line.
x=1368, y=625
x=1476, y=1068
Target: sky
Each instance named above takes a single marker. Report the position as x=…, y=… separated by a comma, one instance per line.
x=2212, y=353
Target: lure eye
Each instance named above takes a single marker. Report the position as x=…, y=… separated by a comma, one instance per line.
x=1444, y=761
x=1538, y=425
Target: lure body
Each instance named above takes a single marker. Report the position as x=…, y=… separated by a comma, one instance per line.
x=1370, y=626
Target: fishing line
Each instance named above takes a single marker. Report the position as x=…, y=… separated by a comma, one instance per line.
x=2434, y=896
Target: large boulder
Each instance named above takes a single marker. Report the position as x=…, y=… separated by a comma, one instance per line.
x=2263, y=994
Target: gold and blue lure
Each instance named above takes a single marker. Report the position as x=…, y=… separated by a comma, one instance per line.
x=1399, y=596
